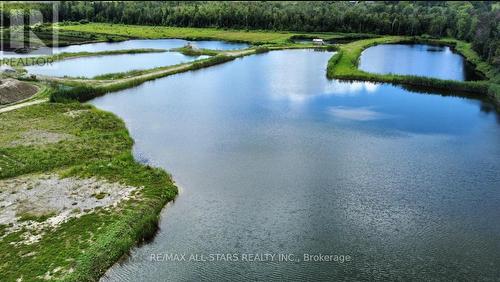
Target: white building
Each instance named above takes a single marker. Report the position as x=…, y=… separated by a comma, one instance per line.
x=318, y=41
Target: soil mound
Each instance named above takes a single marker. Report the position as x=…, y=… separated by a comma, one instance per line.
x=13, y=90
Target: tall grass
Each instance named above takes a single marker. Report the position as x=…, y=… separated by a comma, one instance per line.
x=119, y=75
x=79, y=93
x=190, y=51
x=261, y=49
x=210, y=62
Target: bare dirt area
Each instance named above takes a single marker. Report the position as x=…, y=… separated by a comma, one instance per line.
x=40, y=137
x=75, y=113
x=13, y=90
x=37, y=203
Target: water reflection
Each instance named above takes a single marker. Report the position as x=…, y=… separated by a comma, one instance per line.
x=405, y=183
x=350, y=88
x=130, y=44
x=287, y=82
x=98, y=65
x=358, y=114
x=417, y=59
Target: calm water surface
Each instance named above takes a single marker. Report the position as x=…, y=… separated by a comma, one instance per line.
x=274, y=158
x=131, y=44
x=417, y=59
x=98, y=65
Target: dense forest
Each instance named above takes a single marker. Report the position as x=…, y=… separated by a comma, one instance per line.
x=476, y=22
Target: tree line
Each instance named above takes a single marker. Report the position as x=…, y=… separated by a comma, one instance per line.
x=475, y=22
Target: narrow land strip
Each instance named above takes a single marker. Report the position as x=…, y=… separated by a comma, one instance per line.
x=22, y=105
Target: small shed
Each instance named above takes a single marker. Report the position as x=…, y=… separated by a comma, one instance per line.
x=318, y=41
x=191, y=46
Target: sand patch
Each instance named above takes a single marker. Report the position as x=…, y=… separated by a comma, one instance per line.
x=40, y=137
x=35, y=203
x=76, y=113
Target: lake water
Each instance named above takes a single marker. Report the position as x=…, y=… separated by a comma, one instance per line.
x=274, y=158
x=417, y=59
x=98, y=65
x=131, y=44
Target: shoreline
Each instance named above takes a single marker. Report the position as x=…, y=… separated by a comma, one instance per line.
x=88, y=130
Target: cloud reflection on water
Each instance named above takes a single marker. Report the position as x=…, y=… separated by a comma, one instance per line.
x=356, y=113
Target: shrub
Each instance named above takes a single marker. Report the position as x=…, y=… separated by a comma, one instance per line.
x=80, y=93
x=219, y=59
x=261, y=49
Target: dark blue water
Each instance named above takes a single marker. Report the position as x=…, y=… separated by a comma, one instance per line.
x=417, y=59
x=130, y=44
x=97, y=65
x=272, y=157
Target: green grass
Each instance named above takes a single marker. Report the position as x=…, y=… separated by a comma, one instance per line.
x=98, y=135
x=344, y=65
x=125, y=74
x=101, y=148
x=100, y=196
x=261, y=49
x=195, y=51
x=137, y=31
x=36, y=217
x=334, y=38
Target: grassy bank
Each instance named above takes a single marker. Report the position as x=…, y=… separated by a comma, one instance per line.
x=251, y=36
x=344, y=65
x=82, y=248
